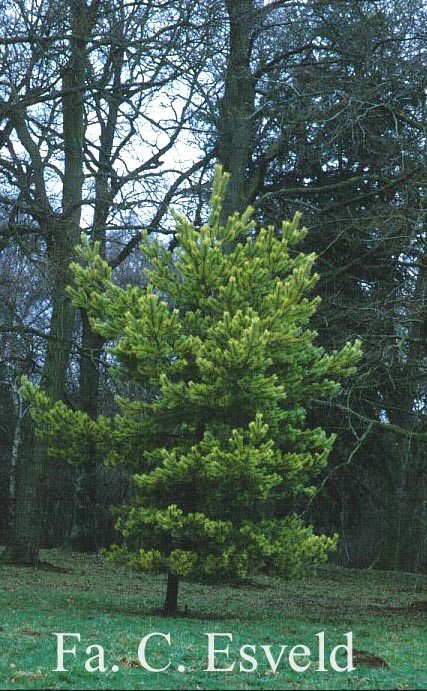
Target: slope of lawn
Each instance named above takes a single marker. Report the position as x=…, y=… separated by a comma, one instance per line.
x=113, y=608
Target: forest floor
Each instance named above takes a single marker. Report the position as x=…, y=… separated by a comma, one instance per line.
x=113, y=608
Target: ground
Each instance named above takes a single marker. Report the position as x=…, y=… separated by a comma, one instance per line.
x=113, y=608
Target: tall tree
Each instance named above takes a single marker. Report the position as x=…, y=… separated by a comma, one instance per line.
x=352, y=116
x=81, y=81
x=323, y=111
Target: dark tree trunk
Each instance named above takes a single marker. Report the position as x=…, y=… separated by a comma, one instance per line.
x=171, y=602
x=236, y=118
x=85, y=532
x=27, y=530
x=62, y=233
x=25, y=538
x=405, y=498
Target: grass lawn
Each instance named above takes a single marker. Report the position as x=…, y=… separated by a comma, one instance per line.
x=110, y=607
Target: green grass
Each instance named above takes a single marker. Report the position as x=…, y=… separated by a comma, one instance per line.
x=109, y=606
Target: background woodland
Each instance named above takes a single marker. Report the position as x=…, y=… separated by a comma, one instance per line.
x=113, y=112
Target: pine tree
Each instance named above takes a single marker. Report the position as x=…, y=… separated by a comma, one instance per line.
x=219, y=344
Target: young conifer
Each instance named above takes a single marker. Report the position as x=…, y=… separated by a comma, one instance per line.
x=220, y=345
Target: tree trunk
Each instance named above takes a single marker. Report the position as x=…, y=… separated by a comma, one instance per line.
x=85, y=533
x=236, y=118
x=405, y=501
x=62, y=233
x=27, y=531
x=18, y=405
x=171, y=602
x=388, y=557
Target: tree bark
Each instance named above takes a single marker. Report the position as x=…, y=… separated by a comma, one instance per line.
x=236, y=117
x=18, y=405
x=171, y=601
x=62, y=233
x=84, y=532
x=27, y=531
x=405, y=498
